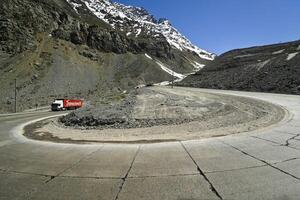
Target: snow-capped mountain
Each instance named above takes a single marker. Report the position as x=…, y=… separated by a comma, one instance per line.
x=136, y=21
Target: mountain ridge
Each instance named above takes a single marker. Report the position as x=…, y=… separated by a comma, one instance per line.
x=269, y=68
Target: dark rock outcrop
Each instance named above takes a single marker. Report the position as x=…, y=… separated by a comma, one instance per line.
x=21, y=20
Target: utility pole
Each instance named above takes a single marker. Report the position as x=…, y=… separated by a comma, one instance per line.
x=15, y=95
x=36, y=105
x=172, y=86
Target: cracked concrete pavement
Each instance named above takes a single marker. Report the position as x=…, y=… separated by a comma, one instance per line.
x=263, y=164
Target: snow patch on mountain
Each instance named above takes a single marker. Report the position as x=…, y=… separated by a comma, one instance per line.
x=138, y=32
x=291, y=56
x=197, y=65
x=278, y=52
x=74, y=5
x=169, y=71
x=136, y=21
x=148, y=56
x=262, y=64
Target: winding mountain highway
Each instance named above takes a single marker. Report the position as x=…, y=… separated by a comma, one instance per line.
x=262, y=164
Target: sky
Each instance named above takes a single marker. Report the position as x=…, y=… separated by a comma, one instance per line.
x=222, y=25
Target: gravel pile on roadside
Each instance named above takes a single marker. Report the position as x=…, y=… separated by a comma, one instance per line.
x=106, y=116
x=116, y=116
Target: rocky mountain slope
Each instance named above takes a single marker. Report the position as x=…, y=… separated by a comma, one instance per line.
x=91, y=49
x=272, y=68
x=135, y=21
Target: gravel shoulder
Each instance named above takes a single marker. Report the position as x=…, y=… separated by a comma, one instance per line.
x=159, y=114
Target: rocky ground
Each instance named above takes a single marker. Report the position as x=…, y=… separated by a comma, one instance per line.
x=161, y=114
x=273, y=68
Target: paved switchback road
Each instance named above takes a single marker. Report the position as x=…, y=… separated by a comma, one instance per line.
x=263, y=164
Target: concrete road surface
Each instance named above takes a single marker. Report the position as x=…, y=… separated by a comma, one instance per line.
x=259, y=165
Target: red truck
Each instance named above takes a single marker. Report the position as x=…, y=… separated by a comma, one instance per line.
x=66, y=104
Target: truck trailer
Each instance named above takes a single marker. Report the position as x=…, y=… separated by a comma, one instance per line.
x=66, y=104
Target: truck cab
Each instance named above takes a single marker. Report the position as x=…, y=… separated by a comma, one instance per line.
x=57, y=105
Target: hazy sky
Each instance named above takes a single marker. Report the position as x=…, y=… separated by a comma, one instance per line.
x=222, y=25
